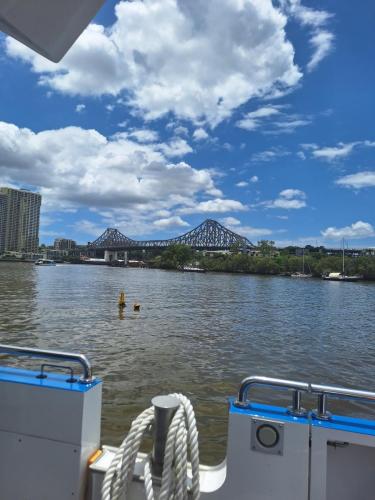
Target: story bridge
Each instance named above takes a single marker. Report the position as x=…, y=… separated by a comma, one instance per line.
x=210, y=235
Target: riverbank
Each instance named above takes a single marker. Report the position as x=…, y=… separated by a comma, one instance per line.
x=281, y=264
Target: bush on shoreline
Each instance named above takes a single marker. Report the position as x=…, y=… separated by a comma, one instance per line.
x=316, y=263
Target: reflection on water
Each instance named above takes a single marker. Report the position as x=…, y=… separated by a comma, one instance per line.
x=197, y=334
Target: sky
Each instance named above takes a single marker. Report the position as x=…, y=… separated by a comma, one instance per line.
x=164, y=113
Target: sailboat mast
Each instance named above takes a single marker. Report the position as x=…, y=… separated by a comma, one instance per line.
x=343, y=257
x=303, y=261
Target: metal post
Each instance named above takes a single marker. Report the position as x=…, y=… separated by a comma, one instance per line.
x=296, y=408
x=322, y=413
x=165, y=408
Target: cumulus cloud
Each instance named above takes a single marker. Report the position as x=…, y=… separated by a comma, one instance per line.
x=288, y=199
x=200, y=134
x=242, y=184
x=254, y=179
x=169, y=222
x=218, y=205
x=358, y=181
x=75, y=167
x=230, y=221
x=199, y=60
x=357, y=230
x=144, y=135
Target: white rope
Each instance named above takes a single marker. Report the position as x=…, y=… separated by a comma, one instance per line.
x=182, y=444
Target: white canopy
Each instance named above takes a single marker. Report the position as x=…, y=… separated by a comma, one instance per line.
x=49, y=27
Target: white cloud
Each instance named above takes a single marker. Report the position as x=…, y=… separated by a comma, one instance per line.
x=269, y=154
x=338, y=152
x=199, y=60
x=180, y=130
x=333, y=153
x=74, y=167
x=250, y=232
x=288, y=199
x=169, y=222
x=254, y=179
x=242, y=184
x=289, y=194
x=144, y=135
x=217, y=205
x=88, y=228
x=176, y=148
x=273, y=120
x=230, y=221
x=321, y=40
x=80, y=108
x=254, y=232
x=200, y=134
x=358, y=181
x=357, y=230
x=254, y=119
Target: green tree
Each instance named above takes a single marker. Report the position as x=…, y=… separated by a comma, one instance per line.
x=266, y=247
x=176, y=256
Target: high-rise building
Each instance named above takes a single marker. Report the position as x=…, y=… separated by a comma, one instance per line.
x=64, y=244
x=19, y=220
x=3, y=206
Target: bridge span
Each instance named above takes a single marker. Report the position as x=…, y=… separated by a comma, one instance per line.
x=210, y=235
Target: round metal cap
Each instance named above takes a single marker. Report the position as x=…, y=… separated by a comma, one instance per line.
x=165, y=402
x=267, y=436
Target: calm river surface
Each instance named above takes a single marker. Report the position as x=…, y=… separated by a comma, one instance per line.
x=196, y=334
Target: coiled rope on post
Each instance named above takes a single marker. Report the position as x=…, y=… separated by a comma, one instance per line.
x=182, y=441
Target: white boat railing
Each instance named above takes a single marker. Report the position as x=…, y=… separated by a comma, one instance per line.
x=298, y=388
x=81, y=359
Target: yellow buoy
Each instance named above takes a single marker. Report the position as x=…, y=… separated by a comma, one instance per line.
x=137, y=307
x=122, y=299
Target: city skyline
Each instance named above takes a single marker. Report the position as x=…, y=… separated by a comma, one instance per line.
x=269, y=133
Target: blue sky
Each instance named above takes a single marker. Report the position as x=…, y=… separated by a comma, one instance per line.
x=164, y=113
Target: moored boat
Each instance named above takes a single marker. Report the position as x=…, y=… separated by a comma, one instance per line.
x=191, y=269
x=302, y=274
x=341, y=277
x=45, y=262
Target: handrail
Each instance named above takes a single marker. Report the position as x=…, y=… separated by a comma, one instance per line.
x=323, y=391
x=87, y=377
x=342, y=393
x=254, y=380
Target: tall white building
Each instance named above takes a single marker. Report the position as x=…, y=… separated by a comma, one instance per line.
x=19, y=220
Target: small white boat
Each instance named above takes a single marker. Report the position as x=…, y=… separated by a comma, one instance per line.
x=45, y=262
x=190, y=269
x=341, y=277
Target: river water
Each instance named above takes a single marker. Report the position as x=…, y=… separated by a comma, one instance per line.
x=196, y=334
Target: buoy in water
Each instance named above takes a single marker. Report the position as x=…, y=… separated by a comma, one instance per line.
x=122, y=299
x=137, y=307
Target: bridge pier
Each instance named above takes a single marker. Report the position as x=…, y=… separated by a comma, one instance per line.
x=113, y=255
x=110, y=255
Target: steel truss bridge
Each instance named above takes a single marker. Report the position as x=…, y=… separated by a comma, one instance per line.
x=210, y=235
